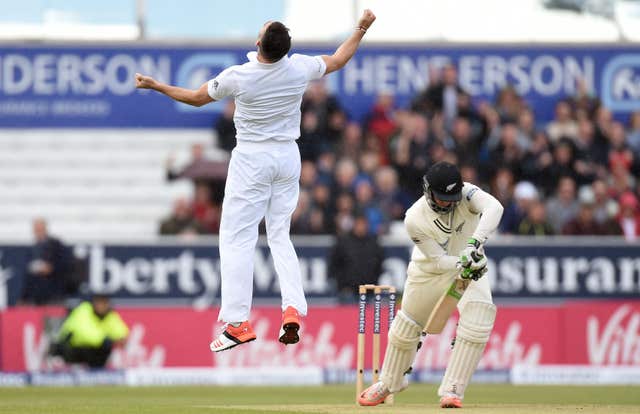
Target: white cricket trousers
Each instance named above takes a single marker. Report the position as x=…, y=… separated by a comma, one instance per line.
x=262, y=182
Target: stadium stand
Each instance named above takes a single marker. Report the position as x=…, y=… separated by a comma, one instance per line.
x=106, y=183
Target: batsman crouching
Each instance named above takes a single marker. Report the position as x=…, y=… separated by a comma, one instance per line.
x=448, y=226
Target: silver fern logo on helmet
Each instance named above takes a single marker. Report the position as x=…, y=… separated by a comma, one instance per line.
x=442, y=185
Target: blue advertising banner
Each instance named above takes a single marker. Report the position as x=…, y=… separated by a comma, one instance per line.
x=190, y=274
x=93, y=86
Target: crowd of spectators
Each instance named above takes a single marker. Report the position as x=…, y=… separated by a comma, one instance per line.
x=575, y=175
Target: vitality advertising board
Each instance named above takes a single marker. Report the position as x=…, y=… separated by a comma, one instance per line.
x=593, y=333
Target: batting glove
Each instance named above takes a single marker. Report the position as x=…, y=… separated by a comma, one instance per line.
x=471, y=274
x=472, y=253
x=473, y=261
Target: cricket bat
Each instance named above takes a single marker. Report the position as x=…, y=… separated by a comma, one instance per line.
x=445, y=306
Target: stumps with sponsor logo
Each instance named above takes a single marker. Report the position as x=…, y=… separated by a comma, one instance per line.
x=378, y=291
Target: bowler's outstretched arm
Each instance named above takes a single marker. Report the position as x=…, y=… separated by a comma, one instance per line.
x=197, y=97
x=348, y=48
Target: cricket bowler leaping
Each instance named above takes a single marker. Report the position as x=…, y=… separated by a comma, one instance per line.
x=449, y=226
x=264, y=169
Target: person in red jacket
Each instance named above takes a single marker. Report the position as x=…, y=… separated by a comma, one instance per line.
x=629, y=217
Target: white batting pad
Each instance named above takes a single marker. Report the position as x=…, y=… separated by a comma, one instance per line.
x=404, y=336
x=474, y=329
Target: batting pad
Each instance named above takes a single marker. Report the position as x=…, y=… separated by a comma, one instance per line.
x=474, y=328
x=404, y=336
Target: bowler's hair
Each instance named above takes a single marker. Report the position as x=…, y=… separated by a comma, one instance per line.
x=276, y=42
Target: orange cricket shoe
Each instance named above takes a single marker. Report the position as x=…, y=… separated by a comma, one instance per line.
x=374, y=395
x=290, y=326
x=450, y=401
x=233, y=336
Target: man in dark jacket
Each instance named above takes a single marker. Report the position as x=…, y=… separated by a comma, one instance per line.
x=50, y=268
x=355, y=259
x=441, y=96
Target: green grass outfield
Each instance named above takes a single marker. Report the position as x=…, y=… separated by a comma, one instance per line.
x=323, y=399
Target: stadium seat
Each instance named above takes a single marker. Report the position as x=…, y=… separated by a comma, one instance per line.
x=92, y=183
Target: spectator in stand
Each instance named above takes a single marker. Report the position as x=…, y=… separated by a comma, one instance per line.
x=50, y=269
x=584, y=102
x=423, y=102
x=590, y=159
x=201, y=170
x=495, y=144
x=90, y=333
x=372, y=143
x=621, y=161
x=620, y=180
x=345, y=210
x=537, y=158
x=619, y=151
x=562, y=165
x=563, y=125
x=225, y=127
x=526, y=126
x=509, y=105
x=585, y=222
x=535, y=222
x=508, y=154
x=438, y=153
x=197, y=157
x=345, y=176
x=502, y=186
x=629, y=216
x=606, y=208
x=308, y=175
x=469, y=173
x=352, y=141
x=392, y=200
x=410, y=153
x=312, y=140
x=442, y=96
x=321, y=198
x=337, y=123
x=515, y=210
x=307, y=218
x=205, y=211
x=465, y=143
x=317, y=100
x=326, y=165
x=563, y=206
x=369, y=163
x=181, y=221
x=633, y=136
x=355, y=259
x=380, y=123
x=490, y=122
x=468, y=111
x=603, y=121
x=299, y=218
x=368, y=205
x=438, y=131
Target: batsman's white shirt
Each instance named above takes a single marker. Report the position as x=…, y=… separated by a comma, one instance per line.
x=439, y=239
x=263, y=175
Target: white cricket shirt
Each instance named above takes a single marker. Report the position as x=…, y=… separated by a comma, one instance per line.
x=267, y=95
x=439, y=238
